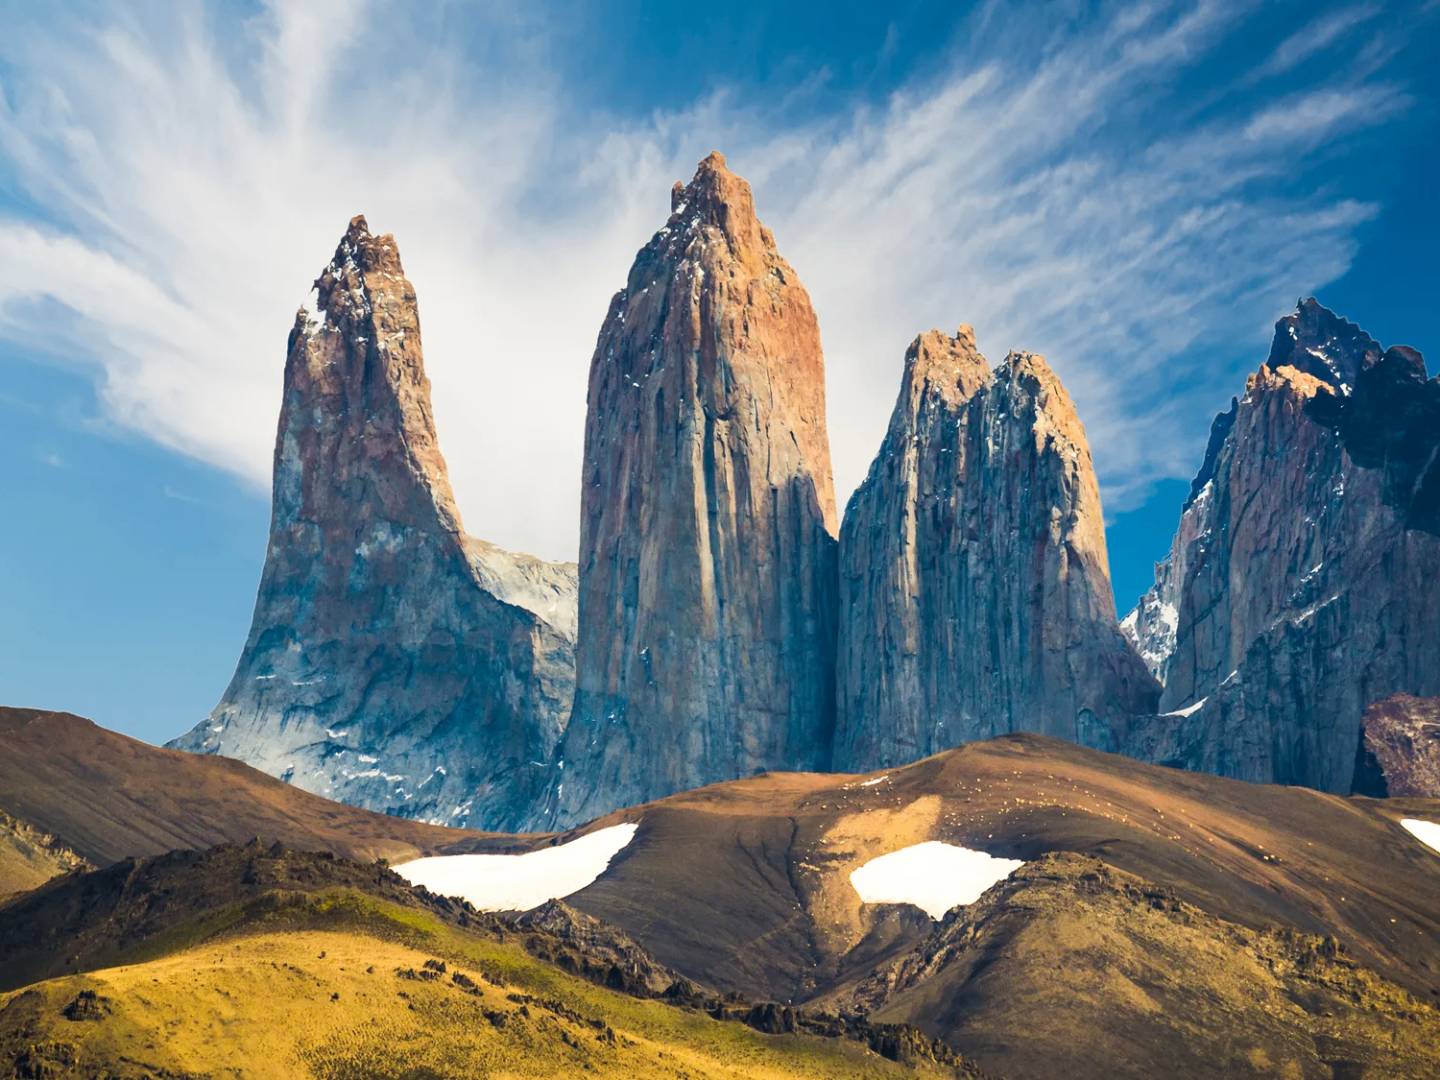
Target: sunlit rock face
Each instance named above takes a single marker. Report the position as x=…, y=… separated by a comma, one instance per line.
x=707, y=536
x=1400, y=749
x=975, y=590
x=393, y=662
x=1302, y=583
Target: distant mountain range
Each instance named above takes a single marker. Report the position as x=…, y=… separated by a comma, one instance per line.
x=722, y=621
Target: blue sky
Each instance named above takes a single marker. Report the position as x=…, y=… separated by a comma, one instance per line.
x=1136, y=190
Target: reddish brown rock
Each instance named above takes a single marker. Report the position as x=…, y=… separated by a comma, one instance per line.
x=707, y=549
x=393, y=662
x=1402, y=739
x=975, y=589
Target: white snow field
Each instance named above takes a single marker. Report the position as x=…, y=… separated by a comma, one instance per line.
x=520, y=882
x=1427, y=832
x=934, y=876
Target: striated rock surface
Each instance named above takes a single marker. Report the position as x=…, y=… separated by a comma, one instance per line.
x=1302, y=583
x=707, y=548
x=393, y=662
x=975, y=589
x=1401, y=748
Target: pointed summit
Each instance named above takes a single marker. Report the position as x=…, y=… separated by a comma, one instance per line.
x=717, y=198
x=392, y=661
x=707, y=550
x=949, y=366
x=356, y=391
x=1316, y=342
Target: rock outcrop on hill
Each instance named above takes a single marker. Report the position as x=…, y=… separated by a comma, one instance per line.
x=975, y=589
x=1401, y=748
x=707, y=539
x=1301, y=586
x=393, y=662
x=30, y=856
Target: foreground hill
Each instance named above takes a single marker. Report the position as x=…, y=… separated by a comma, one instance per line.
x=769, y=858
x=1152, y=914
x=106, y=796
x=1070, y=952
x=269, y=962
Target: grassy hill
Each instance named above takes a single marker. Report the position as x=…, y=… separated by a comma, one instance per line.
x=270, y=963
x=1070, y=955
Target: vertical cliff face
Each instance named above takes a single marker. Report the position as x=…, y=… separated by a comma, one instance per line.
x=707, y=550
x=1301, y=584
x=975, y=592
x=393, y=662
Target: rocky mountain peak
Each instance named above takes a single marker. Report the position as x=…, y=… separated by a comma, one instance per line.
x=705, y=645
x=1299, y=586
x=356, y=395
x=392, y=661
x=950, y=366
x=974, y=582
x=717, y=205
x=1314, y=340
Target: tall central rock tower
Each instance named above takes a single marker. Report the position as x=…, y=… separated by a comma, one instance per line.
x=707, y=537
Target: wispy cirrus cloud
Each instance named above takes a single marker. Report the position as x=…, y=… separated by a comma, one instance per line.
x=181, y=179
x=1316, y=36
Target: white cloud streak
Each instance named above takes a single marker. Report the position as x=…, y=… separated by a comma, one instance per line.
x=190, y=178
x=1315, y=37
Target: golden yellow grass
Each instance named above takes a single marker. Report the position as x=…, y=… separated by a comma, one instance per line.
x=334, y=1003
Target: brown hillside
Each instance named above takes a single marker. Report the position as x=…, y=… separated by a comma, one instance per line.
x=748, y=882
x=1070, y=955
x=107, y=796
x=1161, y=902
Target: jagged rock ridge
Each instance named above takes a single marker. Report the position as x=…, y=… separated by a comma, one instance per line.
x=1300, y=587
x=393, y=662
x=707, y=549
x=975, y=588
